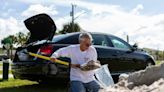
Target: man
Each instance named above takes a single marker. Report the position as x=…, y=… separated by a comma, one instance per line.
x=81, y=81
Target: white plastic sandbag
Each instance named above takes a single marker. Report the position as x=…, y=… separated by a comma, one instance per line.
x=104, y=77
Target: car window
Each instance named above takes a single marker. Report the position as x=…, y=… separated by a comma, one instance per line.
x=57, y=38
x=118, y=43
x=99, y=40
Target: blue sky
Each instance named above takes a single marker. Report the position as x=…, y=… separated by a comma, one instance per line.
x=150, y=6
x=142, y=20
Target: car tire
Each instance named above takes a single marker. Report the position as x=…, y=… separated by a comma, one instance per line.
x=149, y=63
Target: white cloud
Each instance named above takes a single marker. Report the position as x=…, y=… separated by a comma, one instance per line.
x=38, y=8
x=137, y=9
x=147, y=30
x=97, y=8
x=10, y=26
x=61, y=21
x=94, y=7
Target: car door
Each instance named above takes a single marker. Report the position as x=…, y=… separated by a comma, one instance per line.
x=106, y=54
x=126, y=57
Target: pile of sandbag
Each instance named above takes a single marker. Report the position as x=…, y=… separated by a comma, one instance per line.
x=149, y=80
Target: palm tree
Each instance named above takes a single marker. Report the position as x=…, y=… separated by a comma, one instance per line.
x=67, y=28
x=21, y=38
x=8, y=44
x=18, y=39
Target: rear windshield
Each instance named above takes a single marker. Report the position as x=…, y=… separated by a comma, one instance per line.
x=61, y=37
x=57, y=38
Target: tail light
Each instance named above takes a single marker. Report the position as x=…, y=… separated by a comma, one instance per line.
x=46, y=50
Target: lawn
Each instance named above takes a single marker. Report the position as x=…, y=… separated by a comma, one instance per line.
x=16, y=85
x=158, y=62
x=2, y=72
x=1, y=64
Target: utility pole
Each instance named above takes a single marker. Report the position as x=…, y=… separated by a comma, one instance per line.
x=163, y=55
x=127, y=38
x=72, y=15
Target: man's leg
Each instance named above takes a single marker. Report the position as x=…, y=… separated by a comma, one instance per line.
x=92, y=86
x=77, y=86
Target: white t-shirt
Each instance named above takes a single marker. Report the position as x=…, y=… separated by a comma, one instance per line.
x=78, y=57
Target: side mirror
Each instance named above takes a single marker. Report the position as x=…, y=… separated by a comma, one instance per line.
x=135, y=47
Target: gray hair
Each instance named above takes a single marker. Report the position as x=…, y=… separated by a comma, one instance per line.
x=85, y=35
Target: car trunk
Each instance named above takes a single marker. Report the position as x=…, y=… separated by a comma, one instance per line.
x=42, y=29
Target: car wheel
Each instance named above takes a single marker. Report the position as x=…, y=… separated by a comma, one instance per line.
x=149, y=63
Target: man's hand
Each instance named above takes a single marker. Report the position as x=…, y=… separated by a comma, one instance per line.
x=75, y=65
x=91, y=65
x=53, y=59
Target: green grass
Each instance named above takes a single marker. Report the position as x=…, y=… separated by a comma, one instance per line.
x=2, y=72
x=1, y=64
x=158, y=62
x=16, y=85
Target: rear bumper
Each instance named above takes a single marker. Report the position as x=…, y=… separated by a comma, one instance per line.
x=38, y=71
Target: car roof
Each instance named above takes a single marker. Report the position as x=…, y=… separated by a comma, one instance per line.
x=90, y=33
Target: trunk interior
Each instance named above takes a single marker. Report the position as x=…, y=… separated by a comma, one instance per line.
x=21, y=53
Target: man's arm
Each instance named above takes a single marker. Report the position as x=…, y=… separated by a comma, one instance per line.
x=93, y=55
x=64, y=52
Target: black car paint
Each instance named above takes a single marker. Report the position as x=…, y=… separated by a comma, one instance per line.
x=41, y=27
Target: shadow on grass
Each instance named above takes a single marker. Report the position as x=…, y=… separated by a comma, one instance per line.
x=42, y=87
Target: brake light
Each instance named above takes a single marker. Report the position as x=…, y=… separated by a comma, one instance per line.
x=46, y=50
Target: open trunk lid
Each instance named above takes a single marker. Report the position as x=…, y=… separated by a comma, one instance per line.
x=41, y=27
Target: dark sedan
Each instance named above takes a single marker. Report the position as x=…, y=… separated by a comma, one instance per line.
x=118, y=54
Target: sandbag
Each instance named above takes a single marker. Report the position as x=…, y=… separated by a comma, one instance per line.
x=104, y=77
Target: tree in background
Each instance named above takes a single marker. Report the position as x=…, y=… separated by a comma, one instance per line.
x=17, y=39
x=21, y=38
x=8, y=44
x=11, y=40
x=67, y=28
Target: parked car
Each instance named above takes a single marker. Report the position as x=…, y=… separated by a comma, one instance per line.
x=118, y=54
